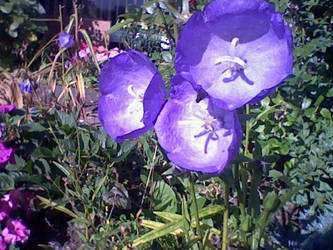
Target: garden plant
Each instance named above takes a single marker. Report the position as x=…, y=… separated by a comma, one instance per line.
x=208, y=125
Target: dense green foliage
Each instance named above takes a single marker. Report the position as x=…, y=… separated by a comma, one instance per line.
x=17, y=30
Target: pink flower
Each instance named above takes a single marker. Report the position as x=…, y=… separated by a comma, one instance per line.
x=102, y=57
x=3, y=245
x=7, y=108
x=83, y=53
x=15, y=231
x=114, y=52
x=6, y=155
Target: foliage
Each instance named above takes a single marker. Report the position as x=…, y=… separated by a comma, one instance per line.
x=19, y=33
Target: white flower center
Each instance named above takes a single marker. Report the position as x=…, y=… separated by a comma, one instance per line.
x=201, y=118
x=233, y=64
x=135, y=109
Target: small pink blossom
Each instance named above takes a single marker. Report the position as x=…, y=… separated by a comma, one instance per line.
x=114, y=52
x=7, y=108
x=102, y=57
x=6, y=155
x=15, y=231
x=84, y=53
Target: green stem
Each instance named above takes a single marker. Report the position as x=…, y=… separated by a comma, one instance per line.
x=247, y=132
x=239, y=191
x=196, y=211
x=225, y=217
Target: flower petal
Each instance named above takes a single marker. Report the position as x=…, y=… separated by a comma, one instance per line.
x=180, y=129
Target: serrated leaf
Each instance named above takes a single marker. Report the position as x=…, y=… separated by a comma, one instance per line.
x=164, y=198
x=65, y=119
x=6, y=182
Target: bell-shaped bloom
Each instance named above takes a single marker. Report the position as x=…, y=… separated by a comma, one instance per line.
x=65, y=40
x=237, y=51
x=15, y=231
x=133, y=94
x=6, y=155
x=26, y=86
x=196, y=134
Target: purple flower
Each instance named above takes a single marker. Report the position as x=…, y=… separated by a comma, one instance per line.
x=25, y=86
x=65, y=40
x=6, y=155
x=133, y=94
x=4, y=210
x=196, y=134
x=3, y=245
x=15, y=231
x=242, y=51
x=15, y=199
x=7, y=108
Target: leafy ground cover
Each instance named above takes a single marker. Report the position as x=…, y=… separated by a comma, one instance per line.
x=65, y=184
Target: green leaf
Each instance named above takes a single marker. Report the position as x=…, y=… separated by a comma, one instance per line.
x=91, y=48
x=157, y=233
x=33, y=127
x=65, y=119
x=49, y=203
x=42, y=152
x=119, y=25
x=6, y=182
x=164, y=198
x=168, y=216
x=306, y=103
x=6, y=8
x=271, y=201
x=125, y=148
x=326, y=113
x=330, y=93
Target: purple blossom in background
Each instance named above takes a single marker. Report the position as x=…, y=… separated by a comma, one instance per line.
x=6, y=155
x=7, y=108
x=197, y=135
x=25, y=86
x=3, y=245
x=133, y=93
x=65, y=40
x=15, y=199
x=242, y=51
x=15, y=231
x=4, y=210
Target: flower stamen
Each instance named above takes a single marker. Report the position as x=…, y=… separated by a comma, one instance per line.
x=135, y=93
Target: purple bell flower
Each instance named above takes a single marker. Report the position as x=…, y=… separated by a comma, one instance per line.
x=243, y=50
x=25, y=86
x=133, y=94
x=65, y=40
x=196, y=134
